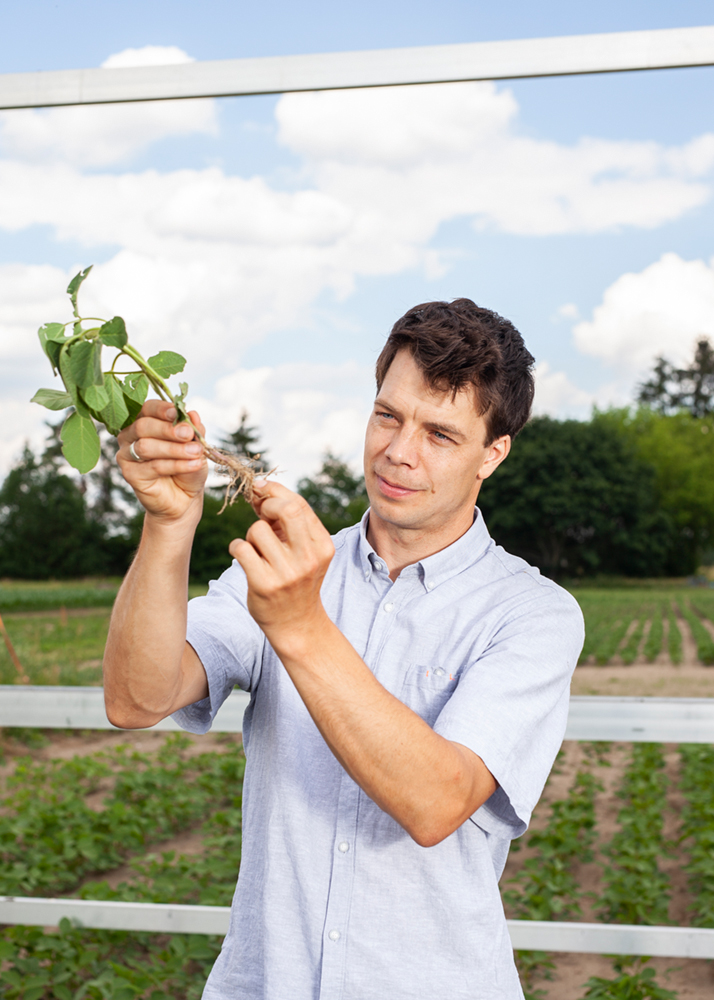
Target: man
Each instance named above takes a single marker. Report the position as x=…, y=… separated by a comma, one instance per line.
x=409, y=682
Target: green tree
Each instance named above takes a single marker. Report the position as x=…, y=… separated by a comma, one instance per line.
x=576, y=498
x=336, y=494
x=680, y=449
x=45, y=530
x=209, y=555
x=670, y=389
x=244, y=442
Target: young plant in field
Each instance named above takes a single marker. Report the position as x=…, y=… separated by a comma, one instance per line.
x=636, y=891
x=115, y=397
x=637, y=984
x=698, y=827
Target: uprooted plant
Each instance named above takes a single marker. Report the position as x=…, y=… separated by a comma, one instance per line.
x=114, y=398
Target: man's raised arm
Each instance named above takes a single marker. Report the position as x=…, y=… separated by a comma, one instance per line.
x=150, y=670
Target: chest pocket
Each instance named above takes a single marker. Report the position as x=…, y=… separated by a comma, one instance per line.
x=426, y=689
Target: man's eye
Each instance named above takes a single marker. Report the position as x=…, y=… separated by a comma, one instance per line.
x=441, y=437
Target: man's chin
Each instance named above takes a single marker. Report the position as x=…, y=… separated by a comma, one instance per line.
x=402, y=512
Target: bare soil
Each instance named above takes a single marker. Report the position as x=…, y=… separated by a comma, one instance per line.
x=662, y=680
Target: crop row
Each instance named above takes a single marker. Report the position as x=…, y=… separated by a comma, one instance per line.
x=641, y=624
x=53, y=841
x=64, y=823
x=634, y=888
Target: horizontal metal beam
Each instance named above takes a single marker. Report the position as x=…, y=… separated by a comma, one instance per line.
x=636, y=720
x=174, y=918
x=83, y=708
x=526, y=935
x=641, y=720
x=527, y=57
x=612, y=939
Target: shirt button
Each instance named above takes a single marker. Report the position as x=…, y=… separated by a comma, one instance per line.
x=388, y=608
x=343, y=847
x=334, y=935
x=430, y=585
x=378, y=567
x=438, y=672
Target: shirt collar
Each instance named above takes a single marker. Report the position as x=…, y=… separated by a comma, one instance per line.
x=439, y=567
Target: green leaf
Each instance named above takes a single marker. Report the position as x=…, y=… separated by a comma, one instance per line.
x=73, y=286
x=70, y=384
x=116, y=411
x=113, y=333
x=52, y=336
x=96, y=397
x=134, y=409
x=80, y=442
x=53, y=399
x=136, y=387
x=85, y=363
x=167, y=363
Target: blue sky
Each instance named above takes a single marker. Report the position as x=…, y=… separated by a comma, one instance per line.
x=274, y=240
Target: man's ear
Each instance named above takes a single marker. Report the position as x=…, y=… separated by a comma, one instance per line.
x=496, y=452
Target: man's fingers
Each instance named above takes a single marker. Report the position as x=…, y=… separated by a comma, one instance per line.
x=246, y=556
x=293, y=517
x=266, y=543
x=148, y=449
x=143, y=473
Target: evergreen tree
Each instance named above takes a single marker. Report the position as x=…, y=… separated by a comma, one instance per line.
x=670, y=389
x=243, y=441
x=44, y=527
x=336, y=494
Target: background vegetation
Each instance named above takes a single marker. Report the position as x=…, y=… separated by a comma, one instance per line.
x=629, y=492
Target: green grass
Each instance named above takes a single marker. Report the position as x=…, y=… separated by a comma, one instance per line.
x=56, y=649
x=51, y=595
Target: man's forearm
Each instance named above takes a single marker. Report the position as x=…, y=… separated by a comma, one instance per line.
x=145, y=655
x=424, y=781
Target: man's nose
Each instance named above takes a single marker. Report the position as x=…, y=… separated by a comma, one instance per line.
x=402, y=449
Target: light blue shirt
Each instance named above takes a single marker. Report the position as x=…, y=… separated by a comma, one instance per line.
x=335, y=901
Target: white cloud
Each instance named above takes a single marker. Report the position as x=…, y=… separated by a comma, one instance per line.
x=410, y=158
x=557, y=396
x=207, y=263
x=149, y=55
x=302, y=410
x=569, y=310
x=660, y=310
x=97, y=136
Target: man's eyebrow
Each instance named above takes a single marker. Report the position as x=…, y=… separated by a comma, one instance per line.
x=449, y=429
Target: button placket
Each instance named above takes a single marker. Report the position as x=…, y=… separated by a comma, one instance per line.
x=340, y=892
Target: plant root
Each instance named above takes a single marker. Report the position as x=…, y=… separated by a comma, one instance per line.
x=241, y=472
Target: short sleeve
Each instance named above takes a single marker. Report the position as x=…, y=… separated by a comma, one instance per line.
x=511, y=705
x=228, y=642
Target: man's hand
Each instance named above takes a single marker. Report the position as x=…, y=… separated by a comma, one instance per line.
x=285, y=557
x=169, y=479
x=428, y=784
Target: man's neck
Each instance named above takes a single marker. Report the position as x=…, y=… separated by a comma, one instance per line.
x=400, y=547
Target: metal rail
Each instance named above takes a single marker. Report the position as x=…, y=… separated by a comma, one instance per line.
x=616, y=52
x=636, y=720
x=526, y=935
x=591, y=718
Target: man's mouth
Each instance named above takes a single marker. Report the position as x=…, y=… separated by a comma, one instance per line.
x=394, y=490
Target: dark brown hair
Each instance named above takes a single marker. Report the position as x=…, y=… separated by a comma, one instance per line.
x=458, y=343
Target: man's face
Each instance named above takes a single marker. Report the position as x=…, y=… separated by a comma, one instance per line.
x=424, y=455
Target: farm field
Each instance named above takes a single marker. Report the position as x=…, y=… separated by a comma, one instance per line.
x=622, y=833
